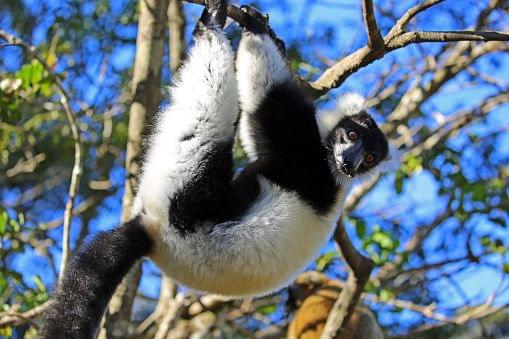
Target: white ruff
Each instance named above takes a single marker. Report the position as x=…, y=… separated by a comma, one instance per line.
x=260, y=67
x=348, y=104
x=262, y=252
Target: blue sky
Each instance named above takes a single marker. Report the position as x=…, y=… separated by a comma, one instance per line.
x=291, y=24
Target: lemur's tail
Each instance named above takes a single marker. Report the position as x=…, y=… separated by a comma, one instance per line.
x=90, y=279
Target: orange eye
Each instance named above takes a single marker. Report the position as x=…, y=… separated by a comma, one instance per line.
x=352, y=136
x=369, y=158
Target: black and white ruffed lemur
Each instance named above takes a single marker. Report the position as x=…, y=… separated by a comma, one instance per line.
x=236, y=235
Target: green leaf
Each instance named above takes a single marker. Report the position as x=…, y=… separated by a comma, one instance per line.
x=38, y=282
x=3, y=222
x=385, y=295
x=46, y=88
x=383, y=239
x=24, y=75
x=360, y=227
x=37, y=72
x=324, y=260
x=412, y=164
x=506, y=268
x=30, y=74
x=398, y=182
x=267, y=309
x=6, y=332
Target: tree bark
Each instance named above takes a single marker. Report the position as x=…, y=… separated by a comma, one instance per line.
x=146, y=96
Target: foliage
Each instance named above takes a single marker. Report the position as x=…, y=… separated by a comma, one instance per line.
x=436, y=228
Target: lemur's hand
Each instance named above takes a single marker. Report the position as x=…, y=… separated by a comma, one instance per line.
x=258, y=23
x=213, y=16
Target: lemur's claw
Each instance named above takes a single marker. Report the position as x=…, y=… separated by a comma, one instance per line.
x=258, y=23
x=213, y=16
x=255, y=22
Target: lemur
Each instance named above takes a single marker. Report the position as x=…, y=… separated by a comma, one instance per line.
x=245, y=234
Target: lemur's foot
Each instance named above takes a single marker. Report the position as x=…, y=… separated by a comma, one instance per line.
x=258, y=23
x=213, y=16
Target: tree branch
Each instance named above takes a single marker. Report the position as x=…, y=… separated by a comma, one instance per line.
x=397, y=38
x=12, y=319
x=375, y=40
x=400, y=25
x=359, y=270
x=408, y=38
x=146, y=94
x=453, y=63
x=359, y=266
x=377, y=47
x=176, y=27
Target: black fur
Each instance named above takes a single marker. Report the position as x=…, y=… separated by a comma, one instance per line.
x=204, y=198
x=90, y=280
x=258, y=23
x=290, y=154
x=289, y=147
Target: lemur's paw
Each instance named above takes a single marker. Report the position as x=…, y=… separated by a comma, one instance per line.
x=258, y=23
x=213, y=16
x=255, y=21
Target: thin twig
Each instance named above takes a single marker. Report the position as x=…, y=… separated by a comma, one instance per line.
x=408, y=38
x=397, y=38
x=12, y=319
x=78, y=144
x=359, y=270
x=171, y=313
x=375, y=39
x=400, y=25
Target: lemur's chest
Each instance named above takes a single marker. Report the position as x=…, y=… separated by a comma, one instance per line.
x=262, y=251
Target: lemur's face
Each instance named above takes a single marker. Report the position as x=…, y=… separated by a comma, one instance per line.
x=358, y=144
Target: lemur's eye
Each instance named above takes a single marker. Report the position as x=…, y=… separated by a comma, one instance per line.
x=352, y=135
x=369, y=158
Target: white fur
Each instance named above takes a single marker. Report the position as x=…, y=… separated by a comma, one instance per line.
x=260, y=67
x=348, y=104
x=280, y=233
x=204, y=103
x=262, y=252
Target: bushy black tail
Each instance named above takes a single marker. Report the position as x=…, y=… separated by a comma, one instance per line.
x=90, y=279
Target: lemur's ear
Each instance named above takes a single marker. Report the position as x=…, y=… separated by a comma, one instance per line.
x=392, y=161
x=348, y=104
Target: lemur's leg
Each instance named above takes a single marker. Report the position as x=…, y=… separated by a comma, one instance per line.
x=189, y=167
x=278, y=128
x=260, y=68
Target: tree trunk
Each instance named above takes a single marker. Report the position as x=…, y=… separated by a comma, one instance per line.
x=146, y=96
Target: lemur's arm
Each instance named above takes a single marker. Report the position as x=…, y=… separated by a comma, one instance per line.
x=260, y=68
x=278, y=127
